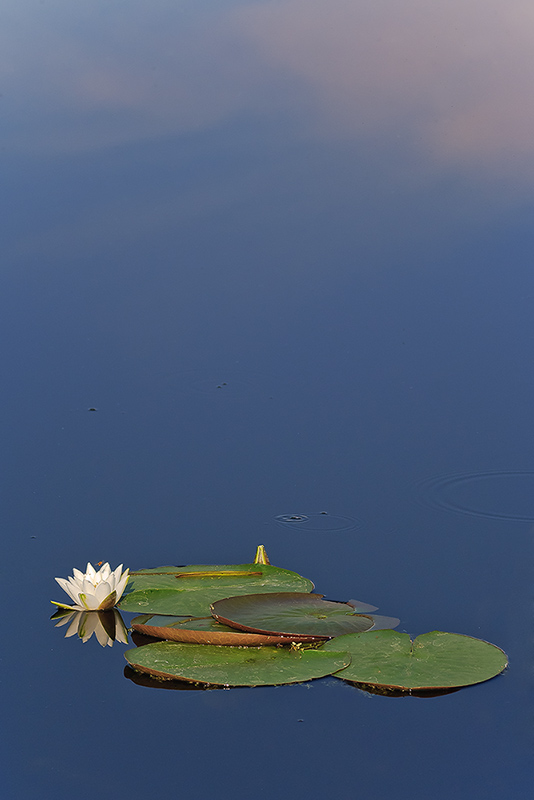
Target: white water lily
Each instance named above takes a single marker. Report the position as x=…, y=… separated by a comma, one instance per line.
x=92, y=590
x=107, y=626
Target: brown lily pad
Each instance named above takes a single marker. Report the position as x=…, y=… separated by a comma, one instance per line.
x=205, y=630
x=290, y=614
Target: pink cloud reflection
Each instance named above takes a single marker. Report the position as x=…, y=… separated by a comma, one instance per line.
x=455, y=76
x=452, y=77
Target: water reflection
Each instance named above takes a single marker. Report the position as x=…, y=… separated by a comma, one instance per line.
x=107, y=626
x=142, y=679
x=386, y=691
x=443, y=77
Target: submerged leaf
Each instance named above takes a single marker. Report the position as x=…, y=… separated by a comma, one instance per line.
x=434, y=660
x=234, y=666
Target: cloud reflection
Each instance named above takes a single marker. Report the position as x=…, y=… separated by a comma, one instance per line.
x=453, y=79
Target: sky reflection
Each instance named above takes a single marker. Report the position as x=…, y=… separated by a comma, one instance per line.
x=326, y=207
x=452, y=80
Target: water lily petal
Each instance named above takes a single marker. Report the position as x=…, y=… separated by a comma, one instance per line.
x=88, y=601
x=63, y=606
x=88, y=586
x=67, y=587
x=102, y=590
x=117, y=574
x=78, y=574
x=121, y=585
x=108, y=602
x=83, y=605
x=105, y=572
x=75, y=587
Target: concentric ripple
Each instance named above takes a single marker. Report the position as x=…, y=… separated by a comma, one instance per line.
x=496, y=495
x=320, y=521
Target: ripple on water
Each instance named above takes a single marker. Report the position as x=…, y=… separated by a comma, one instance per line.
x=497, y=495
x=320, y=521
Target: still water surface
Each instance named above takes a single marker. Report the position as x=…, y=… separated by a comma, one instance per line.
x=284, y=249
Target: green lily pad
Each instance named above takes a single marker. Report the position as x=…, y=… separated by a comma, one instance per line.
x=189, y=591
x=434, y=660
x=204, y=630
x=234, y=666
x=290, y=613
x=143, y=679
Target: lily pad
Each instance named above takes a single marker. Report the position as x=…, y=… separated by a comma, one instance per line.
x=143, y=679
x=290, y=613
x=381, y=623
x=434, y=660
x=361, y=608
x=234, y=666
x=189, y=591
x=204, y=630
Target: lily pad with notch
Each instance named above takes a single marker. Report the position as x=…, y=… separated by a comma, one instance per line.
x=234, y=666
x=431, y=661
x=204, y=630
x=290, y=614
x=189, y=590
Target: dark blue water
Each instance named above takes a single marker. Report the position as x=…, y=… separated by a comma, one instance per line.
x=325, y=210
